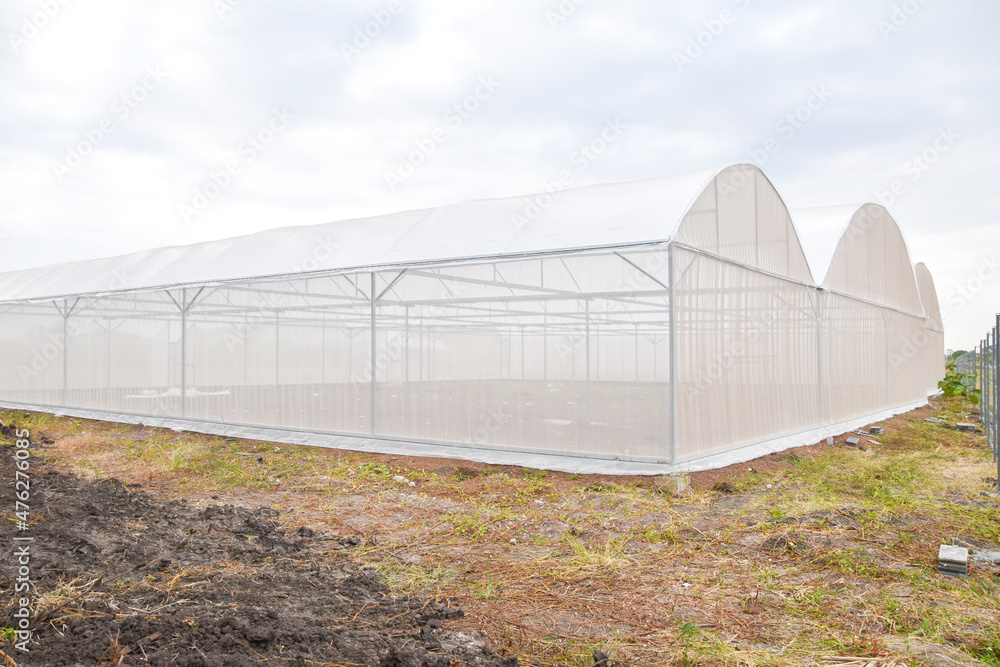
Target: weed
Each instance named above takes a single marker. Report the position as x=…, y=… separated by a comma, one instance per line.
x=653, y=534
x=851, y=561
x=416, y=578
x=688, y=631
x=470, y=525
x=489, y=589
x=989, y=653
x=611, y=554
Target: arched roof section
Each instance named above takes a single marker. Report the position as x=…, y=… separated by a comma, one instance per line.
x=871, y=262
x=928, y=297
x=599, y=216
x=740, y=216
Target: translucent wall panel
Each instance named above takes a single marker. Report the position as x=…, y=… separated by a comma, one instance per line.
x=540, y=354
x=32, y=365
x=855, y=365
x=909, y=350
x=563, y=354
x=288, y=353
x=746, y=355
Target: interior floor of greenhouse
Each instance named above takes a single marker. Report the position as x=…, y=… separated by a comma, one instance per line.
x=612, y=428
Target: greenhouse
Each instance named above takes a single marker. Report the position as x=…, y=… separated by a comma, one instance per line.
x=666, y=324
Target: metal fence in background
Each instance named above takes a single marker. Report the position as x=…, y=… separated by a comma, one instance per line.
x=988, y=369
x=967, y=364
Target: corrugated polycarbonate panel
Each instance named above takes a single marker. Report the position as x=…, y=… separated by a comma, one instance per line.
x=746, y=355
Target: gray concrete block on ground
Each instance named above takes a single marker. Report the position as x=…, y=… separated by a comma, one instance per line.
x=953, y=560
x=950, y=553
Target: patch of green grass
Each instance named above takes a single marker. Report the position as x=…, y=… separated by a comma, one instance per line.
x=490, y=589
x=533, y=485
x=468, y=524
x=988, y=650
x=851, y=561
x=655, y=534
x=417, y=578
x=40, y=423
x=610, y=554
x=87, y=464
x=880, y=481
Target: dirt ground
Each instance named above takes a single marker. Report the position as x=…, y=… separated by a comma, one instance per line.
x=130, y=578
x=156, y=547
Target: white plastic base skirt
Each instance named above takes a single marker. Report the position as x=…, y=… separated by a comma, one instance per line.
x=571, y=464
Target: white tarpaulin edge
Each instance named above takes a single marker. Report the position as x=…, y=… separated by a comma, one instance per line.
x=570, y=464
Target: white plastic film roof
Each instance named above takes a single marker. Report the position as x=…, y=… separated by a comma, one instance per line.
x=619, y=214
x=928, y=297
x=870, y=260
x=740, y=216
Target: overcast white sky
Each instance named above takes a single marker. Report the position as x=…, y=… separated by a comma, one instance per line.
x=116, y=114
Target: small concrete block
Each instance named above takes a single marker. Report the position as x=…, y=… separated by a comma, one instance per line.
x=853, y=442
x=962, y=426
x=935, y=420
x=862, y=432
x=875, y=430
x=673, y=484
x=830, y=441
x=951, y=554
x=953, y=560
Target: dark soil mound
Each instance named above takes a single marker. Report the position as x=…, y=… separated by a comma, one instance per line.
x=125, y=578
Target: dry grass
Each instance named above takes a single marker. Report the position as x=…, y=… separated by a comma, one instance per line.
x=823, y=566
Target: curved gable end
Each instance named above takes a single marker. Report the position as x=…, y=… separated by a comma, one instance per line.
x=928, y=297
x=871, y=262
x=740, y=216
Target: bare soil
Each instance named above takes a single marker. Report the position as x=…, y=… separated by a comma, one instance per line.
x=142, y=580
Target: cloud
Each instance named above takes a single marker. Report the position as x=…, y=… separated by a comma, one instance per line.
x=560, y=80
